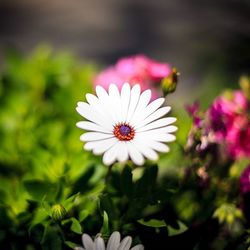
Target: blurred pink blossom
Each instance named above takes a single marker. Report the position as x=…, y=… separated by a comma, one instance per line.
x=194, y=111
x=135, y=69
x=229, y=120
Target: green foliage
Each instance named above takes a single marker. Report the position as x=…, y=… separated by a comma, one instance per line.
x=41, y=159
x=228, y=213
x=52, y=190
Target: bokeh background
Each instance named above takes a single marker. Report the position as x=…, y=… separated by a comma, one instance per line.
x=50, y=51
x=207, y=40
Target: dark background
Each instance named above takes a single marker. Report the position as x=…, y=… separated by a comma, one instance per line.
x=201, y=38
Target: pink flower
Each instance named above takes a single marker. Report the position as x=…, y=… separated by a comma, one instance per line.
x=245, y=180
x=194, y=110
x=238, y=137
x=135, y=69
x=109, y=76
x=219, y=118
x=230, y=123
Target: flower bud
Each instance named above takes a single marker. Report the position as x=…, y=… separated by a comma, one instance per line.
x=58, y=212
x=245, y=86
x=169, y=83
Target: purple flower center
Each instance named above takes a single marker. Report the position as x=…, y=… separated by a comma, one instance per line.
x=124, y=132
x=124, y=129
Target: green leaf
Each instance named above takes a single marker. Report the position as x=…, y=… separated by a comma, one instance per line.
x=153, y=223
x=161, y=223
x=39, y=217
x=69, y=203
x=75, y=225
x=39, y=189
x=82, y=185
x=105, y=225
x=70, y=244
x=173, y=231
x=83, y=215
x=46, y=207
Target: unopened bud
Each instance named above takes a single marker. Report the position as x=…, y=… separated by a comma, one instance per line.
x=245, y=86
x=169, y=83
x=58, y=212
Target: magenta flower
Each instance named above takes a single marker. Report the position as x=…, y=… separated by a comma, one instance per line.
x=238, y=137
x=245, y=180
x=135, y=69
x=228, y=119
x=194, y=112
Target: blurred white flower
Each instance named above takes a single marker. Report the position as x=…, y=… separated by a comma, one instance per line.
x=125, y=124
x=114, y=243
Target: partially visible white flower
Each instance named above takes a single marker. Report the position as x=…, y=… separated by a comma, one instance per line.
x=125, y=124
x=114, y=243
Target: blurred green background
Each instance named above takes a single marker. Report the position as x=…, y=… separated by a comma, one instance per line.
x=50, y=52
x=204, y=39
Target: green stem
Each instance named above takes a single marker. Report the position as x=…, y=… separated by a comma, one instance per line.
x=108, y=175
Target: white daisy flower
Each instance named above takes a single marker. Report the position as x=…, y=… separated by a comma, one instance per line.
x=125, y=124
x=114, y=243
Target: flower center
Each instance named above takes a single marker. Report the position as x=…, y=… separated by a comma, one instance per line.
x=124, y=132
x=124, y=129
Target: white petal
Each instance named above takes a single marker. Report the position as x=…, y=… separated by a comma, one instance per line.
x=99, y=244
x=138, y=247
x=104, y=145
x=91, y=99
x=163, y=130
x=113, y=91
x=154, y=116
x=84, y=110
x=167, y=138
x=122, y=151
x=99, y=106
x=151, y=135
x=125, y=243
x=168, y=129
x=158, y=146
x=91, y=114
x=134, y=98
x=110, y=155
x=157, y=124
x=134, y=154
x=89, y=145
x=86, y=125
x=99, y=147
x=115, y=102
x=87, y=242
x=145, y=149
x=79, y=248
x=95, y=136
x=114, y=241
x=142, y=103
x=152, y=107
x=125, y=100
x=101, y=92
x=106, y=103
